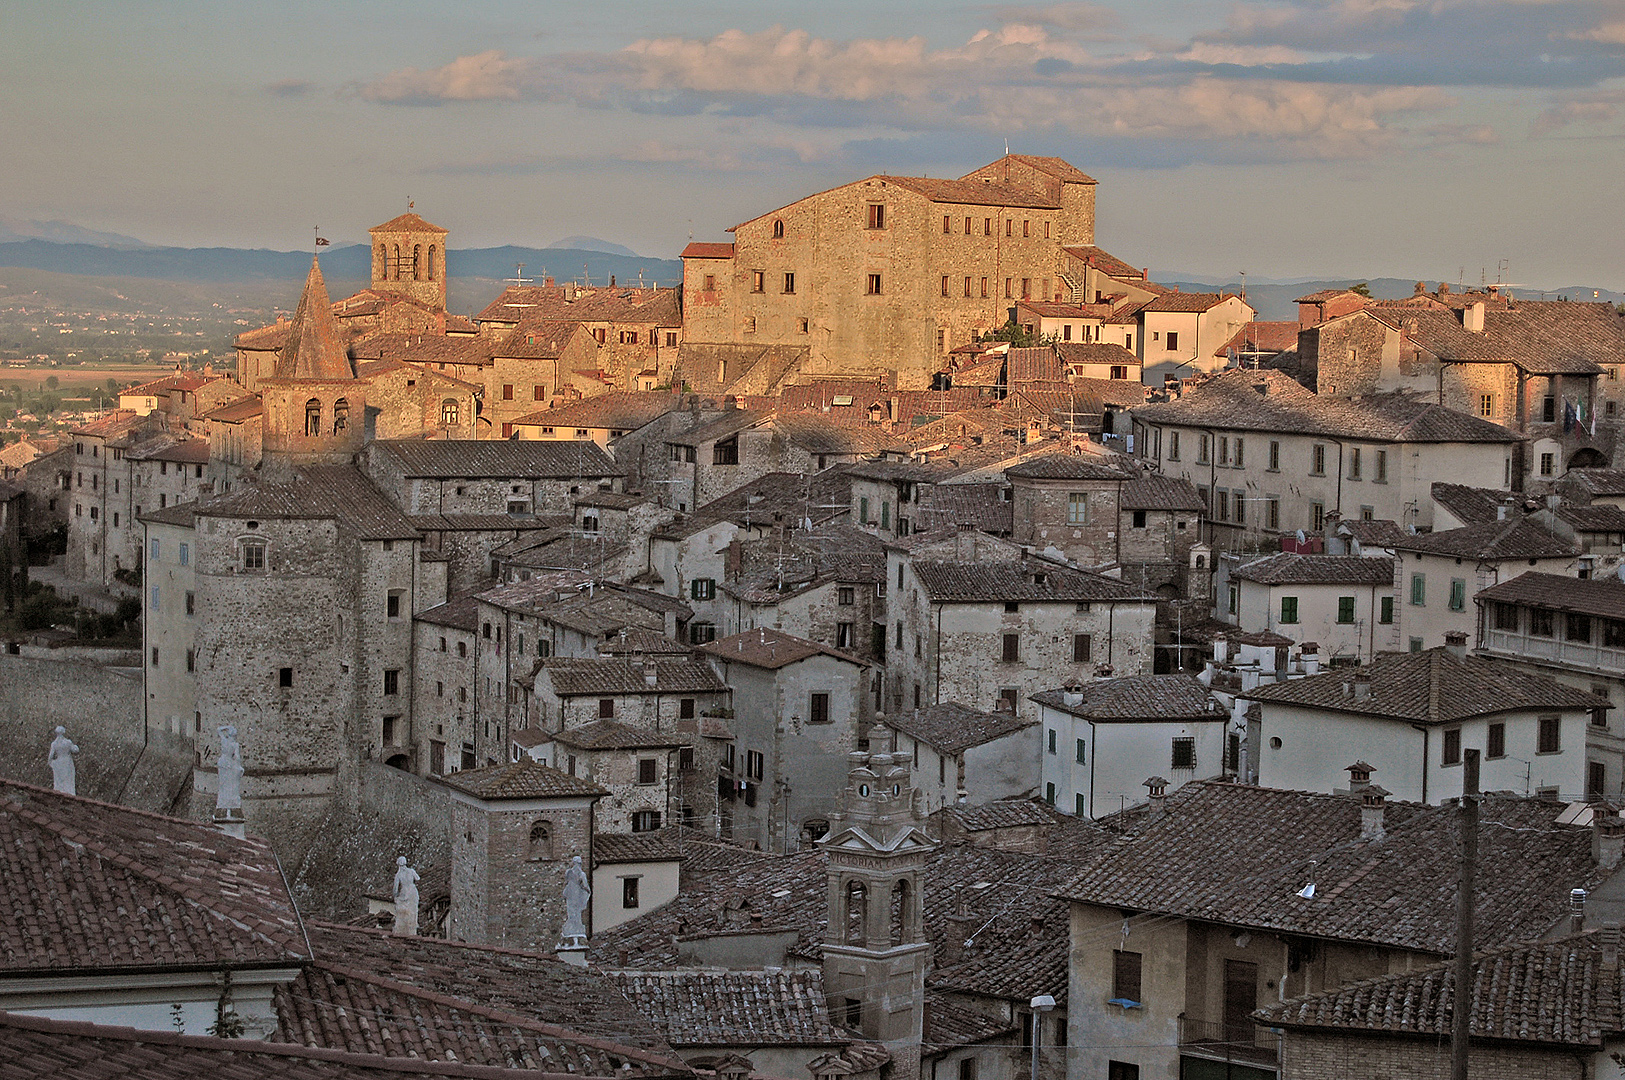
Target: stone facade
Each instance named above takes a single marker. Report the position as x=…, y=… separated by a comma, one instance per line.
x=1333, y=1055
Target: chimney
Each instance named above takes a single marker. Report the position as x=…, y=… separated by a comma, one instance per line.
x=1455, y=642
x=1158, y=787
x=1472, y=317
x=1221, y=649
x=1607, y=835
x=651, y=674
x=1359, y=777
x=1310, y=657
x=1263, y=388
x=961, y=925
x=1610, y=946
x=1362, y=686
x=1577, y=910
x=1372, y=800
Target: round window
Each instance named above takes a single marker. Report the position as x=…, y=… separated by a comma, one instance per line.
x=1275, y=743
x=863, y=790
x=895, y=788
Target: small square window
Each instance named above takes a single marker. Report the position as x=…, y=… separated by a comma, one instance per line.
x=284, y=676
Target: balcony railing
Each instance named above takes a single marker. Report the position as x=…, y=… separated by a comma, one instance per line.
x=1555, y=650
x=1244, y=1043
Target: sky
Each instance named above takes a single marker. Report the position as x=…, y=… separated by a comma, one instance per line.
x=1444, y=139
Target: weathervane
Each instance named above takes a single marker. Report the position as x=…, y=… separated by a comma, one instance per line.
x=409, y=202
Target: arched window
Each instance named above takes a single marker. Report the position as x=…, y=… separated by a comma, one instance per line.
x=313, y=417
x=778, y=229
x=383, y=261
x=430, y=274
x=417, y=254
x=857, y=913
x=448, y=412
x=541, y=841
x=341, y=415
x=899, y=913
x=397, y=272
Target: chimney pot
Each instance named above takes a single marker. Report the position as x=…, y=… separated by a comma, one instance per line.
x=1577, y=910
x=1362, y=686
x=1607, y=835
x=1455, y=642
x=1373, y=800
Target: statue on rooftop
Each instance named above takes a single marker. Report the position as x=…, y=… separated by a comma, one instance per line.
x=406, y=898
x=229, y=790
x=577, y=895
x=64, y=777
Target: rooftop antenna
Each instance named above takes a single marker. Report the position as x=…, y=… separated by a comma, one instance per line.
x=519, y=277
x=1243, y=285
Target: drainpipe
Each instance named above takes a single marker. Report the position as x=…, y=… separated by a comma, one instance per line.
x=1424, y=733
x=936, y=689
x=1093, y=757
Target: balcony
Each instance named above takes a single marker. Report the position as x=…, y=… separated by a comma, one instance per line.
x=1246, y=1050
x=1554, y=650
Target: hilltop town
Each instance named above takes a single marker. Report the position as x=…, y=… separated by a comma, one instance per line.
x=917, y=645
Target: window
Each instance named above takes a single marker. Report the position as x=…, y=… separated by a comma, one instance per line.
x=1173, y=446
x=846, y=595
x=1317, y=460
x=647, y=773
x=1387, y=616
x=1125, y=976
x=1012, y=648
x=1504, y=616
x=758, y=280
x=703, y=589
x=1051, y=745
x=1027, y=289
x=967, y=1068
x=877, y=216
x=1077, y=508
x=947, y=224
x=1234, y=604
x=1541, y=623
x=392, y=681
x=984, y=293
x=1380, y=474
x=154, y=605
x=645, y=820
x=1345, y=609
x=1137, y=519
x=1548, y=410
x=1184, y=753
x=1419, y=590
x=873, y=288
x=1240, y=455
x=1451, y=753
x=1239, y=502
x=606, y=708
x=185, y=554
x=1009, y=285
x=191, y=603
x=1596, y=780
x=1549, y=739
x=1458, y=594
x=629, y=893
x=392, y=604
x=1080, y=648
x=944, y=284
x=755, y=764
x=1173, y=341
x=1354, y=463
x=1203, y=449
x=726, y=452
x=253, y=555
x=1548, y=462
x=155, y=550
x=1577, y=628
x=1289, y=609
x=155, y=656
x=1275, y=456
x=789, y=281
x=1026, y=227
x=710, y=284
x=1272, y=512
x=818, y=709
x=313, y=417
x=284, y=676
x=1049, y=789
x=967, y=286
x=1495, y=744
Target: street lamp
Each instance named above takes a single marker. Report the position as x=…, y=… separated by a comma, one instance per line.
x=1041, y=1005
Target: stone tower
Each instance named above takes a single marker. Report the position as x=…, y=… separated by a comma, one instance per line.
x=315, y=408
x=514, y=830
x=409, y=259
x=875, y=950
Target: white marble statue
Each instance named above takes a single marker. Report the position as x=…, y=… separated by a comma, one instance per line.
x=577, y=895
x=64, y=777
x=229, y=793
x=406, y=898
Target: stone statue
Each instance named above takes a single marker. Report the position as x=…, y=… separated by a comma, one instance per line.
x=406, y=898
x=64, y=777
x=577, y=895
x=229, y=791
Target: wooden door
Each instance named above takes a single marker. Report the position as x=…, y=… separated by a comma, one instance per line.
x=1240, y=999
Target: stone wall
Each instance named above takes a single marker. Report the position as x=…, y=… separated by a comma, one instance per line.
x=1315, y=1055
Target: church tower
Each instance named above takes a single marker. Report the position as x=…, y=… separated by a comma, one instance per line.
x=875, y=950
x=315, y=408
x=409, y=259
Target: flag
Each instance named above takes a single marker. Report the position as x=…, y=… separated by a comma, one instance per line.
x=321, y=241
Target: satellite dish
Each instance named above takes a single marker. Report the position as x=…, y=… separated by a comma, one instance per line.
x=1301, y=537
x=1308, y=891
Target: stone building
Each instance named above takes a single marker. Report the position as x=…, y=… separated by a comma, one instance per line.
x=966, y=757
x=1345, y=604
x=637, y=766
x=445, y=638
x=170, y=620
x=515, y=828
x=635, y=332
x=1180, y=331
x=1068, y=506
x=891, y=272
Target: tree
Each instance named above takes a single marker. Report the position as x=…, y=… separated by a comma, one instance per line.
x=1362, y=289
x=1017, y=335
x=112, y=385
x=51, y=382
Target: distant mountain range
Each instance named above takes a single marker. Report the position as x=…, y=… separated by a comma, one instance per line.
x=62, y=232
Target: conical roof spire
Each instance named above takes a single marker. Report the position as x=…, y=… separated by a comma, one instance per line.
x=315, y=347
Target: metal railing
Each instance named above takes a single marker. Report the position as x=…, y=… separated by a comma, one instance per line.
x=1243, y=1042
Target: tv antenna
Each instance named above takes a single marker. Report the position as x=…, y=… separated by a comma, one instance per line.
x=519, y=277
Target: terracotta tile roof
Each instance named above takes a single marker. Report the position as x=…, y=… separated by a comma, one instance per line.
x=194, y=451
x=771, y=649
x=1156, y=492
x=1239, y=855
x=1066, y=466
x=1186, y=302
x=1061, y=309
x=578, y=676
x=1261, y=337
x=531, y=985
x=112, y=423
x=1002, y=814
x=698, y=249
x=1327, y=294
x=617, y=411
x=1038, y=364
x=1597, y=482
x=1231, y=400
x=610, y=735
x=462, y=613
x=1059, y=168
x=1380, y=532
x=339, y=492
x=1102, y=260
x=1470, y=505
x=530, y=305
x=315, y=349
x=950, y=1025
x=525, y=779
x=96, y=887
x=177, y=381
x=238, y=411
x=1540, y=337
x=407, y=222
x=1554, y=993
x=1137, y=697
x=517, y=458
x=976, y=192
x=953, y=728
x=1592, y=519
x=1430, y=687
x=635, y=640
x=183, y=514
x=820, y=433
x=1286, y=568
x=788, y=494
x=33, y=1047
x=985, y=583
x=734, y=1008
x=1095, y=352
x=422, y=347
x=662, y=845
x=1516, y=538
x=1603, y=596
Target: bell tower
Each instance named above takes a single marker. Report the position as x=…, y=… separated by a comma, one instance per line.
x=409, y=259
x=875, y=950
x=315, y=407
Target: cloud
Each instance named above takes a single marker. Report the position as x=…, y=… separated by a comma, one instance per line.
x=290, y=88
x=486, y=76
x=1083, y=21
x=1598, y=108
